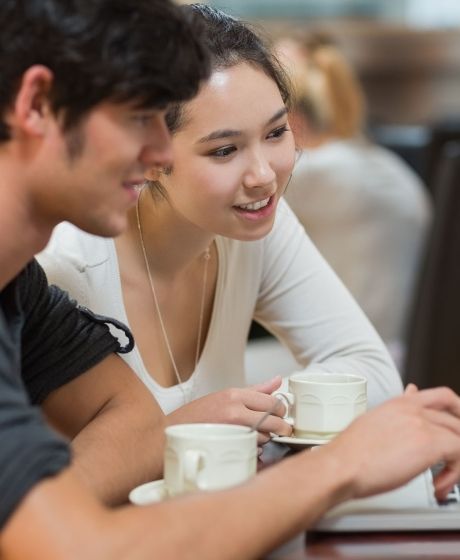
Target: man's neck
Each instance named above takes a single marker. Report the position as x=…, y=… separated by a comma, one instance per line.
x=20, y=235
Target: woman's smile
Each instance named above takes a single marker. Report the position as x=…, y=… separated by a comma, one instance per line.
x=256, y=210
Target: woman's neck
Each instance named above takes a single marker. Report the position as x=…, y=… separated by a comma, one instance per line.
x=172, y=244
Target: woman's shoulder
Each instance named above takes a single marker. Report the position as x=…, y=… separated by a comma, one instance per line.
x=72, y=260
x=81, y=249
x=286, y=223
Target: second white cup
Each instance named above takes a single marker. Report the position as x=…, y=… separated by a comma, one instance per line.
x=323, y=404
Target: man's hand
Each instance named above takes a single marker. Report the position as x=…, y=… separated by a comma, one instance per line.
x=393, y=443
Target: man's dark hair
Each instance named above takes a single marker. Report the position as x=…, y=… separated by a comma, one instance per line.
x=147, y=52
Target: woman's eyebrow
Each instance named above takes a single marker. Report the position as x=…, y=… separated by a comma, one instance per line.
x=217, y=134
x=283, y=111
x=228, y=132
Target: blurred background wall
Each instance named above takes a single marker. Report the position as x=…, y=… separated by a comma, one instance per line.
x=405, y=51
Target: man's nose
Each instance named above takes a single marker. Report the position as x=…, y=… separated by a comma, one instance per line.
x=157, y=151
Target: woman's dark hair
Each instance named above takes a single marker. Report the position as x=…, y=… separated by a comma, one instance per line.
x=230, y=42
x=147, y=52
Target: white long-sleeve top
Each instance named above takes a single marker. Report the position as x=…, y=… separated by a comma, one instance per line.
x=281, y=281
x=369, y=215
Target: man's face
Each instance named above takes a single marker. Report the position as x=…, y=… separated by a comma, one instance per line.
x=90, y=174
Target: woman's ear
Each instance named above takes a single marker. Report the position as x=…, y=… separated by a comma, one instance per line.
x=298, y=126
x=32, y=110
x=153, y=174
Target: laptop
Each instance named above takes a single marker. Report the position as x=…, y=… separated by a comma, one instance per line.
x=412, y=507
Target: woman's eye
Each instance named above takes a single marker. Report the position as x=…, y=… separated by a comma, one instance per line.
x=223, y=152
x=278, y=132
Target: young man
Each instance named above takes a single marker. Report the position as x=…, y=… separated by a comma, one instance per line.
x=83, y=88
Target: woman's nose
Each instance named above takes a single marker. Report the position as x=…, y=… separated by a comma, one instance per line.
x=260, y=172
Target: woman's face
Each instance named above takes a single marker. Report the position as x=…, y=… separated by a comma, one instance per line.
x=233, y=156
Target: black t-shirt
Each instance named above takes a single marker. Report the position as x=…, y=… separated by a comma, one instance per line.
x=46, y=340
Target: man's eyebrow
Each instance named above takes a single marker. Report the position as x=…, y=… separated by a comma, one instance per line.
x=228, y=132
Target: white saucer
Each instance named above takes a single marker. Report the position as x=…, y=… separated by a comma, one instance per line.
x=149, y=493
x=297, y=442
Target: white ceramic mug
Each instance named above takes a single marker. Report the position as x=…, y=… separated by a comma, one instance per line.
x=208, y=456
x=323, y=404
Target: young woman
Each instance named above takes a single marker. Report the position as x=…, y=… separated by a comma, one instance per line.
x=212, y=245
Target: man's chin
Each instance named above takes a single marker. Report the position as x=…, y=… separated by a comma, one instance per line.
x=105, y=228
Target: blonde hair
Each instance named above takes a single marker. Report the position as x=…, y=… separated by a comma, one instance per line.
x=327, y=91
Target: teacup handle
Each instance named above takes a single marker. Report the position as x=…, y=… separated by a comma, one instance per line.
x=288, y=399
x=192, y=459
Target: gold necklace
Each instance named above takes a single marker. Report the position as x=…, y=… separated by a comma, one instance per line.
x=206, y=257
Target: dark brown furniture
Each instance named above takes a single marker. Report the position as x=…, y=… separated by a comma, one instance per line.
x=381, y=546
x=433, y=351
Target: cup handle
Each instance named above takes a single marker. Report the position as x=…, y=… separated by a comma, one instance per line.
x=192, y=463
x=288, y=400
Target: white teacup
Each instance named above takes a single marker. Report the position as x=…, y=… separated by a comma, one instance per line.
x=323, y=404
x=208, y=456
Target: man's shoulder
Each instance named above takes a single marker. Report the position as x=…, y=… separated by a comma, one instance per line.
x=31, y=278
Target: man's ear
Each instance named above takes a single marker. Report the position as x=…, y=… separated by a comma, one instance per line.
x=32, y=106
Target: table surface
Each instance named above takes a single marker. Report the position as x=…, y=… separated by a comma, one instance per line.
x=427, y=546
x=434, y=545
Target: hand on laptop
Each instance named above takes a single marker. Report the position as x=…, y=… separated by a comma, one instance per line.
x=394, y=442
x=410, y=389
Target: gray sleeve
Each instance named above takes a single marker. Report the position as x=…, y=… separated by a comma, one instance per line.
x=60, y=340
x=29, y=449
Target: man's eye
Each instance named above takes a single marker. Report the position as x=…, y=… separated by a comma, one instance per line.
x=223, y=152
x=278, y=132
x=142, y=120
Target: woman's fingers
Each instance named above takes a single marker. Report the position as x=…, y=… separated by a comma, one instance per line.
x=268, y=386
x=272, y=425
x=261, y=402
x=262, y=438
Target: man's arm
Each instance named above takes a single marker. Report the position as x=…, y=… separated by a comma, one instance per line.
x=116, y=427
x=62, y=520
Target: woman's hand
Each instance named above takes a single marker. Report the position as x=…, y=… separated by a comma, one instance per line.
x=238, y=406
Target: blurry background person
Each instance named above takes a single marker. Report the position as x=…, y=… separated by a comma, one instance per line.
x=365, y=209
